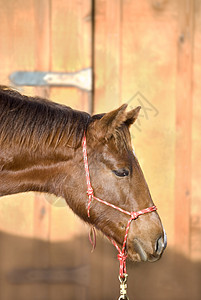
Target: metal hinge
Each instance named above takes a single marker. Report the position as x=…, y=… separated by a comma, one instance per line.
x=81, y=79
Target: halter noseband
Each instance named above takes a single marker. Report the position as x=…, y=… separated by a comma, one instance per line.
x=122, y=256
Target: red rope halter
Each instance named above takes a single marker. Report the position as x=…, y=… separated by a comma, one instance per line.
x=122, y=256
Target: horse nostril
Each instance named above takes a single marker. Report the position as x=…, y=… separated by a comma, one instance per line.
x=160, y=246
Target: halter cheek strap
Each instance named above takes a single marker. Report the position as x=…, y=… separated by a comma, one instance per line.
x=122, y=256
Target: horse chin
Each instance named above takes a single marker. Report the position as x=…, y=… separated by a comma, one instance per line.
x=142, y=256
x=135, y=257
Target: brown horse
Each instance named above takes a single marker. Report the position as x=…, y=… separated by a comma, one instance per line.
x=41, y=150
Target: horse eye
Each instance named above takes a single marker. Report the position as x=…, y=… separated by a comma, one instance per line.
x=121, y=172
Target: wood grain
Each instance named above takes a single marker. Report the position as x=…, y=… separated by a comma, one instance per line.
x=195, y=234
x=183, y=167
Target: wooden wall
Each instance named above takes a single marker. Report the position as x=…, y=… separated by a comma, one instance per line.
x=142, y=52
x=153, y=49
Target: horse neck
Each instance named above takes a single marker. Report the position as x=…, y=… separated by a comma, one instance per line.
x=34, y=170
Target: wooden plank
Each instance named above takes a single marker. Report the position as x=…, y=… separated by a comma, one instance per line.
x=16, y=41
x=71, y=52
x=42, y=209
x=183, y=191
x=149, y=45
x=107, y=52
x=71, y=28
x=17, y=50
x=196, y=144
x=107, y=96
x=42, y=63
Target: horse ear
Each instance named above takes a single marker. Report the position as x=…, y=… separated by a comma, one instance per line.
x=132, y=116
x=106, y=126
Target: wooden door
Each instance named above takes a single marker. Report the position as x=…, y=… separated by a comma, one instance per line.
x=144, y=53
x=44, y=248
x=148, y=53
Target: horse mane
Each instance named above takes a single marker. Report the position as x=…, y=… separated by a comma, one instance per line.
x=32, y=121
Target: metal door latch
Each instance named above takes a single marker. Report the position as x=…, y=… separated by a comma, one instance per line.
x=81, y=79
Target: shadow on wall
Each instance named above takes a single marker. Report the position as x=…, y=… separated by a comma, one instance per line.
x=37, y=270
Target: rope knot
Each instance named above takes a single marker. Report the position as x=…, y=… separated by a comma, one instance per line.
x=134, y=215
x=90, y=191
x=122, y=257
x=122, y=260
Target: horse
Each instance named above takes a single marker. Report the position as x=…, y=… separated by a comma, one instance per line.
x=41, y=150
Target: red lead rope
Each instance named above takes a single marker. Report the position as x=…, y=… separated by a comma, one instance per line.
x=133, y=215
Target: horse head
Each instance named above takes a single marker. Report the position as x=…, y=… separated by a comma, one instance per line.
x=41, y=150
x=116, y=177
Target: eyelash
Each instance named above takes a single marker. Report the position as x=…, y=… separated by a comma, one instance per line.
x=121, y=172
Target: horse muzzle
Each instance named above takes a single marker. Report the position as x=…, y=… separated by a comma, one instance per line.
x=158, y=249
